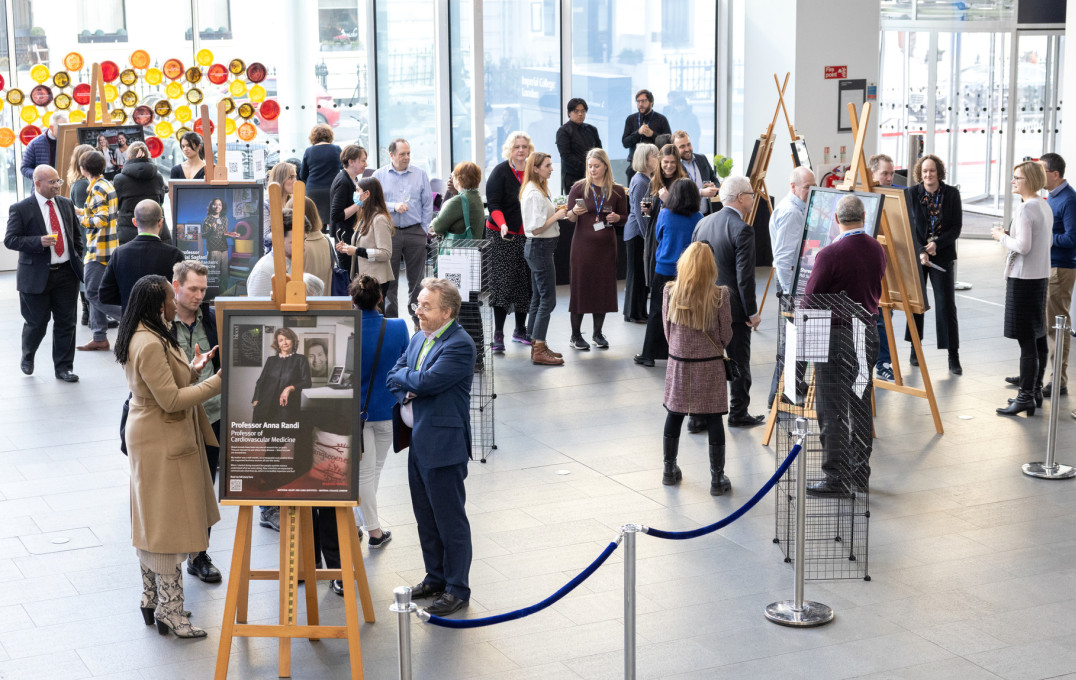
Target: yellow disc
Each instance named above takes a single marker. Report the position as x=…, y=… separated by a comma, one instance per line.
x=183, y=113
x=204, y=57
x=63, y=101
x=45, y=118
x=257, y=94
x=163, y=129
x=174, y=90
x=1, y=104
x=119, y=116
x=28, y=114
x=229, y=126
x=238, y=88
x=180, y=132
x=154, y=76
x=76, y=116
x=111, y=93
x=39, y=73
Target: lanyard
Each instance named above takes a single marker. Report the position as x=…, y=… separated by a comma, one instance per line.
x=934, y=218
x=639, y=118
x=598, y=206
x=854, y=232
x=427, y=344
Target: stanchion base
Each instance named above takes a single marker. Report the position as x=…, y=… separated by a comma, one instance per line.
x=1056, y=471
x=812, y=614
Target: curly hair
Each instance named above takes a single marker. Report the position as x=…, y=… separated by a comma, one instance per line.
x=917, y=171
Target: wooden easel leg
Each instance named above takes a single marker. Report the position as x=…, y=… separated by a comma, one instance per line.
x=243, y=576
x=360, y=567
x=240, y=548
x=927, y=386
x=310, y=564
x=771, y=420
x=289, y=583
x=349, y=545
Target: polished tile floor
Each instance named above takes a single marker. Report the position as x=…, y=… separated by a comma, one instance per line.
x=973, y=565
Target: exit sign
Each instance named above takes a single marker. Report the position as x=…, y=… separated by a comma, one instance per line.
x=836, y=72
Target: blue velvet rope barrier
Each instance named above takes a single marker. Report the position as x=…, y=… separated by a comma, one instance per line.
x=702, y=531
x=527, y=611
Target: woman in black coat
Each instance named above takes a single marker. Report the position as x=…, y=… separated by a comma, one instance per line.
x=320, y=166
x=278, y=394
x=137, y=181
x=343, y=211
x=937, y=216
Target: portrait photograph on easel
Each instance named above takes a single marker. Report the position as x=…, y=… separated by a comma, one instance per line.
x=820, y=228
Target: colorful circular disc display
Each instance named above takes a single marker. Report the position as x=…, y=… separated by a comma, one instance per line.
x=1, y=82
x=194, y=95
x=140, y=59
x=7, y=137
x=174, y=90
x=128, y=77
x=193, y=75
x=74, y=61
x=28, y=114
x=237, y=66
x=39, y=73
x=256, y=72
x=217, y=74
x=183, y=113
x=269, y=110
x=163, y=129
x=155, y=146
x=204, y=57
x=154, y=76
x=198, y=126
x=238, y=88
x=247, y=132
x=61, y=80
x=142, y=115
x=111, y=93
x=246, y=110
x=173, y=69
x=45, y=118
x=257, y=94
x=178, y=134
x=81, y=93
x=129, y=98
x=229, y=104
x=109, y=71
x=118, y=116
x=27, y=134
x=229, y=126
x=76, y=116
x=163, y=109
x=15, y=96
x=63, y=101
x=41, y=95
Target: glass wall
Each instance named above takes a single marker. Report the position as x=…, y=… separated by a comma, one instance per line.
x=667, y=47
x=341, y=69
x=405, y=79
x=461, y=43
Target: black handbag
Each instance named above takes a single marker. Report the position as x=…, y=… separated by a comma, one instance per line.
x=732, y=369
x=341, y=278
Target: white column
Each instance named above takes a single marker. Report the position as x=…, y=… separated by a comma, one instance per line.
x=297, y=90
x=1067, y=142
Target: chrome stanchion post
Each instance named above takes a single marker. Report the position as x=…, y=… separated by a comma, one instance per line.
x=628, y=531
x=1049, y=469
x=403, y=607
x=800, y=612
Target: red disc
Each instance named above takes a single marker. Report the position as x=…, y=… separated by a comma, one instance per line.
x=41, y=95
x=218, y=74
x=109, y=71
x=256, y=72
x=198, y=126
x=269, y=110
x=142, y=115
x=155, y=146
x=1, y=82
x=27, y=134
x=81, y=93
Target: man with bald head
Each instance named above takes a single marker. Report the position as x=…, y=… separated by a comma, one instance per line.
x=44, y=229
x=42, y=149
x=142, y=255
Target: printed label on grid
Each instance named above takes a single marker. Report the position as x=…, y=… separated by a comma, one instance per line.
x=456, y=278
x=235, y=485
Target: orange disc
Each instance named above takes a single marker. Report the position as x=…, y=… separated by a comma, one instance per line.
x=7, y=137
x=247, y=132
x=173, y=69
x=140, y=59
x=74, y=61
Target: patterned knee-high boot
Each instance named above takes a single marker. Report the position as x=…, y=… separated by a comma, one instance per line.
x=170, y=613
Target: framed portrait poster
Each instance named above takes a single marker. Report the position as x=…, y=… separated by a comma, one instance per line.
x=820, y=227
x=112, y=141
x=285, y=434
x=221, y=226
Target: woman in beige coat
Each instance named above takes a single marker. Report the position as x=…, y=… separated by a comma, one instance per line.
x=172, y=499
x=371, y=247
x=317, y=250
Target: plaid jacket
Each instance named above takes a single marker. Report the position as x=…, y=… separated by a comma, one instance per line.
x=99, y=219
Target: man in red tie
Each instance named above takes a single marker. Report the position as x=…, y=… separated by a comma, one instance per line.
x=44, y=229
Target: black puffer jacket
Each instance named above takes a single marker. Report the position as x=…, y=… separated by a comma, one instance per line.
x=137, y=181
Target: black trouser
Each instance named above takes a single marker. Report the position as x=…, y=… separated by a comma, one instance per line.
x=715, y=429
x=58, y=301
x=326, y=540
x=1034, y=354
x=844, y=416
x=739, y=350
x=635, y=283
x=655, y=344
x=944, y=285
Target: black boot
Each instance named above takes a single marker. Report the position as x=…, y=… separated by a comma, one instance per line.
x=1025, y=399
x=671, y=475
x=85, y=309
x=954, y=363
x=719, y=483
x=1039, y=375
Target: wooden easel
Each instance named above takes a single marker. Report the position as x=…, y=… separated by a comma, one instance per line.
x=296, y=525
x=216, y=172
x=67, y=134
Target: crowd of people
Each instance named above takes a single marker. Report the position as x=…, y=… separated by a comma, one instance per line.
x=690, y=278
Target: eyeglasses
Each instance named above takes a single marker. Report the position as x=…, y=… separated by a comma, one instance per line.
x=747, y=193
x=55, y=182
x=1016, y=178
x=424, y=308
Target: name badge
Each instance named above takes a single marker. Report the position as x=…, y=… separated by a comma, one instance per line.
x=599, y=225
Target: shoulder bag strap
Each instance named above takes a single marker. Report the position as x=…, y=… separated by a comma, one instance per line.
x=373, y=371
x=466, y=214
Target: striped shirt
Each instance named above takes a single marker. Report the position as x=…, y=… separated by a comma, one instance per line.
x=99, y=219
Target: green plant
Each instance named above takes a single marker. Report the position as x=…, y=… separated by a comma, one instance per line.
x=722, y=165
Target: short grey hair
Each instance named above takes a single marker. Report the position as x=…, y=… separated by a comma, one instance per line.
x=734, y=186
x=850, y=210
x=643, y=152
x=450, y=295
x=315, y=287
x=801, y=176
x=148, y=214
x=877, y=160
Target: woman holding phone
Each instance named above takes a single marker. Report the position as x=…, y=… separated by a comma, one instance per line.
x=541, y=222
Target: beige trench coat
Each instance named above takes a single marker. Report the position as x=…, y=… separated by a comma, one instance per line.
x=172, y=499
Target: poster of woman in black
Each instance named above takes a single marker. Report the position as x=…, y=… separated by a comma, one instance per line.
x=278, y=394
x=215, y=234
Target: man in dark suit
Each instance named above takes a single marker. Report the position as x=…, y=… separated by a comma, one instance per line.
x=698, y=169
x=733, y=243
x=574, y=139
x=145, y=254
x=44, y=229
x=432, y=383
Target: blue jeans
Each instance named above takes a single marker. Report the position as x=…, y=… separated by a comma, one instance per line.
x=883, y=342
x=539, y=255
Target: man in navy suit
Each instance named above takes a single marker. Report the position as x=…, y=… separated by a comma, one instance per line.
x=44, y=229
x=432, y=383
x=144, y=254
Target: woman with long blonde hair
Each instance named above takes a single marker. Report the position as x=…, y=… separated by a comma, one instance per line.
x=698, y=325
x=596, y=205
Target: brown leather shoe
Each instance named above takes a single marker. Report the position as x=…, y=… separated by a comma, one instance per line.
x=94, y=345
x=541, y=355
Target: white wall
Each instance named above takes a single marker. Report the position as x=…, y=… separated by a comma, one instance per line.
x=769, y=47
x=1067, y=147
